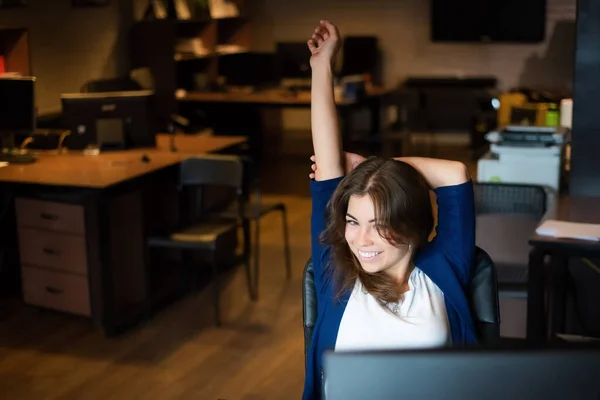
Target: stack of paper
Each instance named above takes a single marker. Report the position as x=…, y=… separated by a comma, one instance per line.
x=573, y=230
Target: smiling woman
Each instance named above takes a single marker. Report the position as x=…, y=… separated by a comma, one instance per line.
x=380, y=283
x=378, y=217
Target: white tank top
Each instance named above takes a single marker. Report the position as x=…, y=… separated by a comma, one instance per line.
x=419, y=320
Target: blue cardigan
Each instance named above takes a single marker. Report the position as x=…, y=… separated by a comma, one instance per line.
x=447, y=260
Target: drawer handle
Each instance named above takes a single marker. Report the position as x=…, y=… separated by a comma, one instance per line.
x=51, y=252
x=49, y=217
x=53, y=290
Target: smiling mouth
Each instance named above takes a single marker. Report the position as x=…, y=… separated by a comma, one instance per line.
x=368, y=255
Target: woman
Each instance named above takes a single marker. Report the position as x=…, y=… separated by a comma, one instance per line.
x=380, y=282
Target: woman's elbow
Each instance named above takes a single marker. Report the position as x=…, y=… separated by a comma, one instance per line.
x=460, y=172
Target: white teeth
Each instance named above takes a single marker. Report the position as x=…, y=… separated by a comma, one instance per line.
x=368, y=254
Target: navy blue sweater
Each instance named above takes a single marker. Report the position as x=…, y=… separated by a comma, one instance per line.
x=447, y=260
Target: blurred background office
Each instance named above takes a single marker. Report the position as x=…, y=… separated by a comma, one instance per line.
x=129, y=106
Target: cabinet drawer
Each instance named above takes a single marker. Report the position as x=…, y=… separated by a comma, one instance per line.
x=56, y=290
x=49, y=215
x=60, y=251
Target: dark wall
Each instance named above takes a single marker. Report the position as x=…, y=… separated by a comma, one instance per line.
x=585, y=152
x=69, y=45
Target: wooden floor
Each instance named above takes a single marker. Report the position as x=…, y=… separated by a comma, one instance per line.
x=178, y=354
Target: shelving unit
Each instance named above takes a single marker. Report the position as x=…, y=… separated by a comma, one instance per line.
x=14, y=48
x=184, y=54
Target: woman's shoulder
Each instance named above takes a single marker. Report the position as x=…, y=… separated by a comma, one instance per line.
x=433, y=262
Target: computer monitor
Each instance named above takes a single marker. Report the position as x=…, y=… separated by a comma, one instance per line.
x=463, y=374
x=293, y=60
x=249, y=69
x=110, y=120
x=17, y=105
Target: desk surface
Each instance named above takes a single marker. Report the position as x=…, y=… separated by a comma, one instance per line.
x=572, y=209
x=106, y=169
x=265, y=97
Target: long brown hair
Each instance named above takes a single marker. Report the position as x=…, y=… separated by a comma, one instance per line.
x=403, y=213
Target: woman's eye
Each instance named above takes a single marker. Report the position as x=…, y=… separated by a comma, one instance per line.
x=350, y=222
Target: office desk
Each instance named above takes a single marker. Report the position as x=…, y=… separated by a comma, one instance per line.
x=250, y=104
x=87, y=171
x=560, y=250
x=274, y=97
x=82, y=223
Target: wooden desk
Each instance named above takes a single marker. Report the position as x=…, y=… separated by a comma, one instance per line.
x=273, y=97
x=82, y=223
x=247, y=108
x=560, y=250
x=110, y=168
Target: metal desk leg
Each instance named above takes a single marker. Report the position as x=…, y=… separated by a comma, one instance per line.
x=558, y=294
x=536, y=328
x=375, y=109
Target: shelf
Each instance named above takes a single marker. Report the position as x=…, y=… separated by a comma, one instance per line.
x=192, y=57
x=14, y=46
x=234, y=32
x=187, y=53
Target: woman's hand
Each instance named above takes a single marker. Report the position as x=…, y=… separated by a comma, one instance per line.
x=351, y=161
x=324, y=44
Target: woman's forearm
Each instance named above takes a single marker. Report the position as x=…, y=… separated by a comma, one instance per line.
x=324, y=123
x=439, y=172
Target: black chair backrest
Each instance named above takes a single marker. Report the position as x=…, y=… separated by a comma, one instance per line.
x=121, y=84
x=483, y=297
x=211, y=183
x=510, y=198
x=212, y=169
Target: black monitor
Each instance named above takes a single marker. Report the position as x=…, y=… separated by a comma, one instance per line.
x=249, y=69
x=464, y=374
x=293, y=60
x=110, y=120
x=488, y=21
x=17, y=105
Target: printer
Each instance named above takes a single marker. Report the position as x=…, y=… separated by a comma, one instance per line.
x=524, y=154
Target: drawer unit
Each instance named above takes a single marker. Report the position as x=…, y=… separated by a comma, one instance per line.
x=58, y=251
x=56, y=290
x=58, y=217
x=53, y=253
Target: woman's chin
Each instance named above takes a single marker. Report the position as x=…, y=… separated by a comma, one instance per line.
x=371, y=268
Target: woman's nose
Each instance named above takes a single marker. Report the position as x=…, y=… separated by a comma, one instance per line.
x=365, y=238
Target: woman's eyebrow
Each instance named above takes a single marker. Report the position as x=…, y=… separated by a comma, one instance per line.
x=354, y=218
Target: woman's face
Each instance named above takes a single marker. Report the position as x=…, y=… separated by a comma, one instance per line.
x=374, y=252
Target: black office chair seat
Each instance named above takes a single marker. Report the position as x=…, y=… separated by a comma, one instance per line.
x=198, y=237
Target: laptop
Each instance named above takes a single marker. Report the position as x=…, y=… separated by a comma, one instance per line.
x=463, y=374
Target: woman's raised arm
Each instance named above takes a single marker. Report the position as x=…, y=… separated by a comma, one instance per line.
x=324, y=45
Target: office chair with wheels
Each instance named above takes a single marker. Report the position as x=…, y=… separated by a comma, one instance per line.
x=206, y=231
x=483, y=296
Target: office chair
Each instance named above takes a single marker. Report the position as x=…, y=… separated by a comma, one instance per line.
x=254, y=209
x=507, y=214
x=206, y=230
x=483, y=296
x=121, y=84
